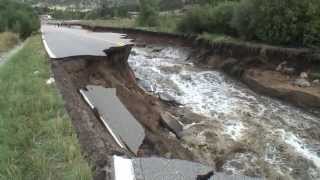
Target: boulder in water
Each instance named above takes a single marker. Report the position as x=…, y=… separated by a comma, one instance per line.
x=303, y=75
x=316, y=81
x=302, y=82
x=146, y=85
x=168, y=98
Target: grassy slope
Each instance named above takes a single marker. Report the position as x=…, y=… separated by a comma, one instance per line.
x=37, y=140
x=167, y=23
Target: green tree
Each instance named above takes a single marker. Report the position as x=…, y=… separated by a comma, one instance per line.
x=287, y=22
x=149, y=13
x=18, y=17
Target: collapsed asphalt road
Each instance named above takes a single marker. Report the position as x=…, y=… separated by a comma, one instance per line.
x=103, y=64
x=63, y=42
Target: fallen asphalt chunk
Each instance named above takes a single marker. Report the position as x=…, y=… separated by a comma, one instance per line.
x=172, y=123
x=124, y=128
x=154, y=168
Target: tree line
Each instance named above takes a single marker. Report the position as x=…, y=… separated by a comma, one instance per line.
x=18, y=17
x=280, y=22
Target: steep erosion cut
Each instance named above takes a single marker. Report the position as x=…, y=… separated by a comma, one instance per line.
x=113, y=71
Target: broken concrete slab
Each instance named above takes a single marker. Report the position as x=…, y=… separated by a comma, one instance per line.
x=154, y=168
x=172, y=123
x=124, y=128
x=165, y=169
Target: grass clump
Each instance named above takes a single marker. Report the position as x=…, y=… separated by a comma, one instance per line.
x=218, y=37
x=114, y=22
x=7, y=41
x=37, y=140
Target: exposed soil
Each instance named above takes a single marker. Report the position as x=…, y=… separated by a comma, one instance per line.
x=74, y=73
x=279, y=85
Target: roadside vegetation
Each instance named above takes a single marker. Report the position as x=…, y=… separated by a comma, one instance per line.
x=37, y=140
x=18, y=17
x=7, y=41
x=288, y=23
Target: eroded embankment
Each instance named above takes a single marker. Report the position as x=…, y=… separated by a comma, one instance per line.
x=113, y=71
x=253, y=64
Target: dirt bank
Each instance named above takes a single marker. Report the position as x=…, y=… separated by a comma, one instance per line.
x=261, y=75
x=237, y=59
x=112, y=71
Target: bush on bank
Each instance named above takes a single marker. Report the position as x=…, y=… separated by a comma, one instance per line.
x=149, y=13
x=209, y=18
x=281, y=22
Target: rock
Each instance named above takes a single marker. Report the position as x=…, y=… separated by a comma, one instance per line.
x=229, y=64
x=50, y=81
x=186, y=77
x=157, y=49
x=316, y=81
x=133, y=53
x=303, y=75
x=168, y=98
x=146, y=85
x=302, y=82
x=280, y=66
x=171, y=69
x=288, y=70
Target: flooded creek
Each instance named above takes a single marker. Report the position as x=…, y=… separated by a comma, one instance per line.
x=242, y=132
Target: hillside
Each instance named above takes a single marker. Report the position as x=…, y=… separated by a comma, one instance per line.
x=81, y=3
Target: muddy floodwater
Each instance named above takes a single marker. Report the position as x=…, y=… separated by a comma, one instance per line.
x=253, y=134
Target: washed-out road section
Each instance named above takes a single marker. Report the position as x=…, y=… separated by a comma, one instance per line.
x=63, y=41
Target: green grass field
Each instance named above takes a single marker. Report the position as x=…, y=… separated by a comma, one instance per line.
x=37, y=141
x=167, y=23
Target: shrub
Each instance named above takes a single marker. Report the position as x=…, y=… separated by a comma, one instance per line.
x=312, y=31
x=214, y=19
x=196, y=20
x=288, y=22
x=149, y=13
x=221, y=16
x=243, y=20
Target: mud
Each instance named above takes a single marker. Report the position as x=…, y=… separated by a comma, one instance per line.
x=112, y=71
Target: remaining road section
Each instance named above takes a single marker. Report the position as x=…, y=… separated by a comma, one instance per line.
x=63, y=42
